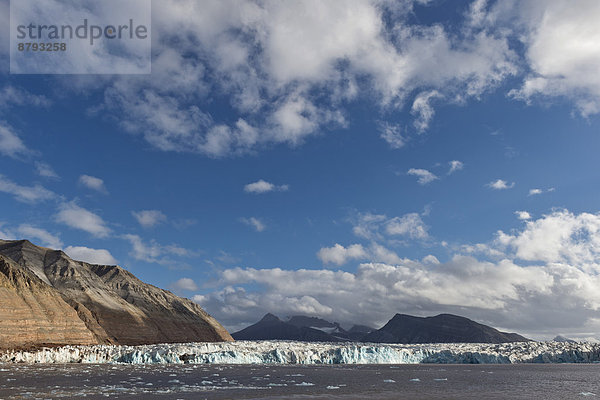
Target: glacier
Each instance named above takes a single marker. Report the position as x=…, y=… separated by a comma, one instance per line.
x=291, y=352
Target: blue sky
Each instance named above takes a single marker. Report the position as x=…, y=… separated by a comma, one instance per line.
x=345, y=159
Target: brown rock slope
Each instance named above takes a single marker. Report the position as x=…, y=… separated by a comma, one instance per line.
x=114, y=305
x=31, y=312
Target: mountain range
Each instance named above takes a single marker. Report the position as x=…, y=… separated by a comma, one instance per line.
x=443, y=328
x=50, y=299
x=308, y=329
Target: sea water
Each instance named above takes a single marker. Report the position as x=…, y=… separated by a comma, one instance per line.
x=186, y=381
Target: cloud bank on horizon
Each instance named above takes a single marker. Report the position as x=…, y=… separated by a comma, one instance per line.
x=303, y=137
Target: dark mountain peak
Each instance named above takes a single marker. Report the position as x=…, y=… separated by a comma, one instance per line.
x=272, y=328
x=269, y=318
x=441, y=328
x=399, y=317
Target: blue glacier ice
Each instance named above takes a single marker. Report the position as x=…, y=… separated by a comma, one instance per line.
x=290, y=352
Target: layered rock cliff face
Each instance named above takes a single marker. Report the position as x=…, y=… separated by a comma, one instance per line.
x=33, y=312
x=109, y=302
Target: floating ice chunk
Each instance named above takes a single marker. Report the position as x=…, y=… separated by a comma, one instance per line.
x=440, y=379
x=415, y=380
x=587, y=394
x=332, y=387
x=389, y=381
x=305, y=384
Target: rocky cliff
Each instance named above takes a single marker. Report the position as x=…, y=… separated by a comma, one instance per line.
x=48, y=298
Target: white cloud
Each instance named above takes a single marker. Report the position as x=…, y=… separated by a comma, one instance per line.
x=10, y=143
x=560, y=237
x=340, y=255
x=6, y=234
x=424, y=176
x=45, y=170
x=562, y=50
x=410, y=225
x=289, y=71
x=367, y=225
x=186, y=284
x=154, y=252
x=149, y=218
x=77, y=217
x=554, y=290
x=455, y=165
x=375, y=227
x=91, y=182
x=377, y=291
x=12, y=95
x=25, y=194
x=523, y=215
x=533, y=192
x=430, y=259
x=392, y=134
x=254, y=222
x=92, y=256
x=422, y=109
x=262, y=186
x=500, y=184
x=46, y=238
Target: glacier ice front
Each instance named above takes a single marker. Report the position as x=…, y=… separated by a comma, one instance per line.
x=287, y=352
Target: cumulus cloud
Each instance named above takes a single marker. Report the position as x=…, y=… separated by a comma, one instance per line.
x=523, y=215
x=285, y=83
x=423, y=175
x=91, y=182
x=500, y=184
x=562, y=50
x=455, y=165
x=376, y=291
x=92, y=256
x=559, y=237
x=78, y=217
x=149, y=218
x=255, y=223
x=542, y=279
x=25, y=194
x=46, y=238
x=184, y=284
x=340, y=255
x=262, y=186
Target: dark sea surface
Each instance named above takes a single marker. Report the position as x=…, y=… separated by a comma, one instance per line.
x=517, y=381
